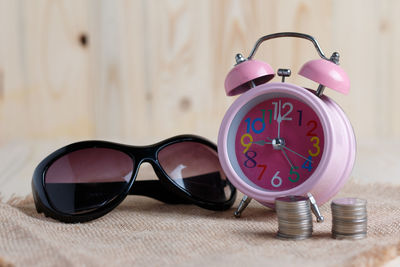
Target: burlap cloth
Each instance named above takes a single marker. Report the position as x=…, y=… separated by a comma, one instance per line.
x=146, y=232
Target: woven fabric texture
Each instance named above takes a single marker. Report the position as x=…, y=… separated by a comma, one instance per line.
x=145, y=232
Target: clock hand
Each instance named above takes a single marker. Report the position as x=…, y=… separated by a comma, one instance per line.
x=285, y=147
x=279, y=119
x=262, y=142
x=287, y=158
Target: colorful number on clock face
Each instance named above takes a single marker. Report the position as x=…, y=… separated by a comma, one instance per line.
x=279, y=143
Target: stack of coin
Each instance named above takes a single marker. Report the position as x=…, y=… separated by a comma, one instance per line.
x=294, y=217
x=349, y=218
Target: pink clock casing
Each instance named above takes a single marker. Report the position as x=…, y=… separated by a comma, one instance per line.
x=339, y=148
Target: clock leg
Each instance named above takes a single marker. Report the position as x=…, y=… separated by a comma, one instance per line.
x=314, y=208
x=242, y=206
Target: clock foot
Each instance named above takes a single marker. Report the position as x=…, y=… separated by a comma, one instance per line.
x=314, y=208
x=242, y=206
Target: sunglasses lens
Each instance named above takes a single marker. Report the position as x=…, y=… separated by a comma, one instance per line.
x=86, y=179
x=195, y=167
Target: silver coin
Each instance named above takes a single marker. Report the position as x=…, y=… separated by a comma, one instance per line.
x=350, y=216
x=291, y=199
x=346, y=212
x=349, y=226
x=349, y=208
x=349, y=222
x=349, y=202
x=286, y=229
x=349, y=236
x=291, y=217
x=295, y=233
x=293, y=237
x=350, y=230
x=295, y=223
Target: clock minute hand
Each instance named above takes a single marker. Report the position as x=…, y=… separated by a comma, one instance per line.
x=279, y=119
x=287, y=158
x=294, y=152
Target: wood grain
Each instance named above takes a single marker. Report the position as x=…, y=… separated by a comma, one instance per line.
x=140, y=71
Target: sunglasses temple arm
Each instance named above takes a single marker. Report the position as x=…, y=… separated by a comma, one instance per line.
x=154, y=189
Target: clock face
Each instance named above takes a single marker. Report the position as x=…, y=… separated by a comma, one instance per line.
x=279, y=143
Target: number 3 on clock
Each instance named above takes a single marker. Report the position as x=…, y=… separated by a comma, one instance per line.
x=316, y=146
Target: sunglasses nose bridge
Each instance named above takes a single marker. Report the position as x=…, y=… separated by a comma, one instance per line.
x=143, y=153
x=150, y=160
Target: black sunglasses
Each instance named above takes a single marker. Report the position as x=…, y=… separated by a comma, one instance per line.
x=85, y=180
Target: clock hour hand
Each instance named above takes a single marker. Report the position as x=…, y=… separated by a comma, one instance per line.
x=262, y=142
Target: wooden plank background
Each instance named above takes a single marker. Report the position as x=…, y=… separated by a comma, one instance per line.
x=141, y=71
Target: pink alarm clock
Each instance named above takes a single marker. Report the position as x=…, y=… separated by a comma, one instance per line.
x=280, y=139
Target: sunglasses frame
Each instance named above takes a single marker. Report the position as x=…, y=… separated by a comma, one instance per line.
x=163, y=189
